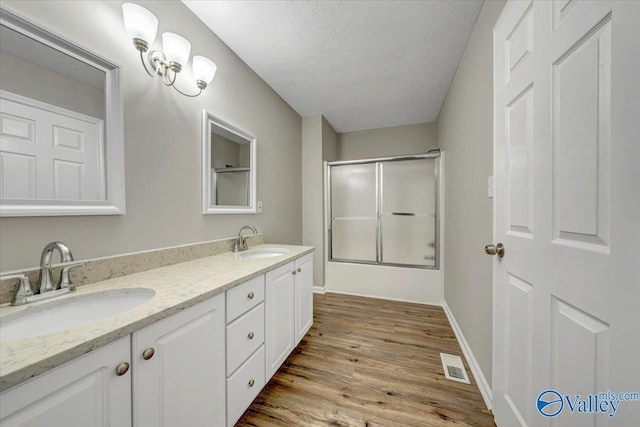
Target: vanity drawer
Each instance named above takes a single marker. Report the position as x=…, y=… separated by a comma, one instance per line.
x=244, y=385
x=244, y=297
x=244, y=335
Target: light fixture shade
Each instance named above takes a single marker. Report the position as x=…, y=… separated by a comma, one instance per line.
x=176, y=48
x=139, y=22
x=203, y=69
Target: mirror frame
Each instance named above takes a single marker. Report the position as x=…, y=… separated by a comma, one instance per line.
x=114, y=203
x=209, y=119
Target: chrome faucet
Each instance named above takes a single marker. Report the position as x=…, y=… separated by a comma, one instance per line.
x=46, y=280
x=45, y=288
x=240, y=243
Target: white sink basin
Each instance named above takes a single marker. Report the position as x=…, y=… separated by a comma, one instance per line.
x=70, y=312
x=263, y=253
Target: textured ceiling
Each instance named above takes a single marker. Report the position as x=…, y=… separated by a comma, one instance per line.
x=362, y=64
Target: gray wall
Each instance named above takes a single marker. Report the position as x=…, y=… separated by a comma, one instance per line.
x=162, y=143
x=465, y=133
x=319, y=144
x=226, y=152
x=329, y=142
x=393, y=141
x=25, y=78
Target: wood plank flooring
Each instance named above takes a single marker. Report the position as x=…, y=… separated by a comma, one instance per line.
x=370, y=362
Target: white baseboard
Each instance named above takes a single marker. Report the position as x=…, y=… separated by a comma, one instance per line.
x=435, y=302
x=319, y=289
x=483, y=385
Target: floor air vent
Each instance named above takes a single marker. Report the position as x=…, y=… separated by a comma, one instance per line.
x=453, y=368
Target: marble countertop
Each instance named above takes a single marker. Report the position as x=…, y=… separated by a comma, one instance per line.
x=176, y=287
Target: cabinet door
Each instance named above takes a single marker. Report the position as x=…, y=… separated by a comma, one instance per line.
x=83, y=392
x=183, y=383
x=280, y=315
x=304, y=296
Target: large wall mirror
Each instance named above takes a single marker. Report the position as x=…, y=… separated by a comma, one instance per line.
x=228, y=168
x=61, y=134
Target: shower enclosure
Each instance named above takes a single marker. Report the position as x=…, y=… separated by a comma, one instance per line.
x=384, y=211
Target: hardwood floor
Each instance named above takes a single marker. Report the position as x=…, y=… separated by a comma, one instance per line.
x=370, y=362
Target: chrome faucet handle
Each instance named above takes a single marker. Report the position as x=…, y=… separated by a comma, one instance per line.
x=65, y=280
x=24, y=288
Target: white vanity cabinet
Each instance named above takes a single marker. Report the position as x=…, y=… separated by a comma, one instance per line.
x=175, y=375
x=202, y=366
x=279, y=316
x=303, y=296
x=245, y=346
x=179, y=368
x=288, y=309
x=84, y=392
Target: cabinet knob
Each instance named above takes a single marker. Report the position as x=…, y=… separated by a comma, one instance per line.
x=299, y=269
x=251, y=335
x=122, y=369
x=251, y=383
x=250, y=296
x=148, y=353
x=293, y=272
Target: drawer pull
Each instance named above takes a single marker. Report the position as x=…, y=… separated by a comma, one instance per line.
x=251, y=335
x=122, y=369
x=148, y=353
x=251, y=383
x=293, y=272
x=251, y=295
x=299, y=269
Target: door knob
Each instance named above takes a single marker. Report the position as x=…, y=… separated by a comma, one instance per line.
x=495, y=250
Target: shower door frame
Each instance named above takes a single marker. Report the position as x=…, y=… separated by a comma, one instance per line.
x=379, y=198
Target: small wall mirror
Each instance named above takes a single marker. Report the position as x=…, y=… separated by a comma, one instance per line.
x=61, y=135
x=228, y=168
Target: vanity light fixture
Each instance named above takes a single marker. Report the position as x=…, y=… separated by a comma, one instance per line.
x=142, y=26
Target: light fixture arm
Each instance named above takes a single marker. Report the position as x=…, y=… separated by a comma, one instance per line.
x=186, y=94
x=169, y=81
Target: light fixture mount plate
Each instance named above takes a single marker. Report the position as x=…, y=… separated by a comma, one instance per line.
x=158, y=61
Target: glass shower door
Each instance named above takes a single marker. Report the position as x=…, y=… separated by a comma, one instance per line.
x=384, y=211
x=353, y=199
x=408, y=212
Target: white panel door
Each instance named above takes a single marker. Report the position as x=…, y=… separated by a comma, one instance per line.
x=567, y=203
x=84, y=392
x=47, y=152
x=304, y=296
x=183, y=383
x=279, y=317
